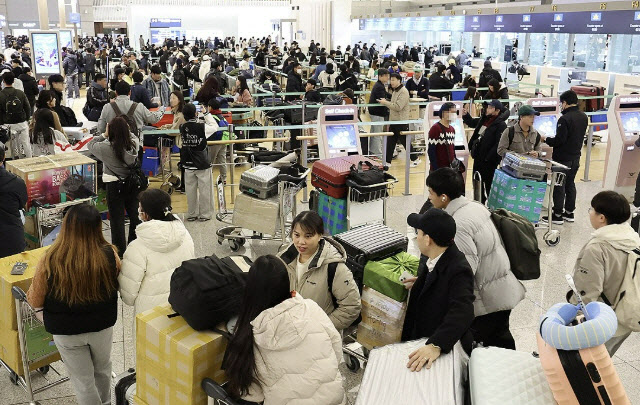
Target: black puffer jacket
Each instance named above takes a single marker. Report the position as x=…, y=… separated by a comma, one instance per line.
x=31, y=89
x=13, y=197
x=485, y=153
x=567, y=144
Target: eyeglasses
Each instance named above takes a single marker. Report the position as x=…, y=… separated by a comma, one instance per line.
x=590, y=209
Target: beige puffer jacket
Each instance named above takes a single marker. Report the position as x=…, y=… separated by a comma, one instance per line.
x=297, y=352
x=399, y=107
x=313, y=283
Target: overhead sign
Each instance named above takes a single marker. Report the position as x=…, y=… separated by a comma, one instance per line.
x=443, y=23
x=586, y=22
x=165, y=22
x=74, y=18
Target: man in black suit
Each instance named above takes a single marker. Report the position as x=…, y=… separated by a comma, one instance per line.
x=441, y=301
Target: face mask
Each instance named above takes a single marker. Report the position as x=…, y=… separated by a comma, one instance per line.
x=299, y=71
x=453, y=117
x=141, y=215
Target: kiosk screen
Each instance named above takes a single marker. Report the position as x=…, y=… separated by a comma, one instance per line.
x=342, y=137
x=45, y=52
x=630, y=121
x=546, y=125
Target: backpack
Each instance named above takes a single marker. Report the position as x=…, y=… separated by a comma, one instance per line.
x=512, y=134
x=133, y=126
x=627, y=302
x=222, y=134
x=179, y=78
x=209, y=290
x=14, y=110
x=333, y=99
x=519, y=239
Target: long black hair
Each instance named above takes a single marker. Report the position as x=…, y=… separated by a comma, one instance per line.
x=120, y=137
x=157, y=204
x=267, y=286
x=310, y=222
x=243, y=84
x=43, y=126
x=43, y=98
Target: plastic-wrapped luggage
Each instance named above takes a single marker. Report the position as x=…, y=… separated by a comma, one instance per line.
x=388, y=381
x=260, y=181
x=585, y=376
x=330, y=175
x=333, y=212
x=500, y=376
x=523, y=166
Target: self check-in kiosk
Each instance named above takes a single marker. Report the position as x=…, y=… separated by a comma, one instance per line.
x=547, y=122
x=338, y=131
x=432, y=115
x=622, y=161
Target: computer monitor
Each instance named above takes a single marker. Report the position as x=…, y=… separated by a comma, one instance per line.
x=342, y=138
x=546, y=125
x=630, y=121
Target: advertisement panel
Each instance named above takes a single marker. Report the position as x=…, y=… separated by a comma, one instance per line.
x=45, y=48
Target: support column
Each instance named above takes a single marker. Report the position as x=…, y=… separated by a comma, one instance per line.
x=571, y=46
x=43, y=14
x=62, y=14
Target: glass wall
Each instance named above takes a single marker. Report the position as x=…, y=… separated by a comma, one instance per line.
x=624, y=54
x=590, y=51
x=557, y=49
x=537, y=49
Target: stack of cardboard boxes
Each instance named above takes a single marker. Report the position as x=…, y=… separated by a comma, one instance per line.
x=10, y=352
x=521, y=196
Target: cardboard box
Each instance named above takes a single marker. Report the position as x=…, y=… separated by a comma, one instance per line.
x=257, y=215
x=384, y=275
x=56, y=178
x=138, y=401
x=172, y=359
x=382, y=319
x=7, y=282
x=10, y=348
x=523, y=197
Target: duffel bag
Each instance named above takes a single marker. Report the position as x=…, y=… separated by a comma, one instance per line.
x=362, y=180
x=209, y=290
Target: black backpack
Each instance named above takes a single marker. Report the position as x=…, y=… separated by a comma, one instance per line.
x=209, y=290
x=179, y=78
x=519, y=238
x=14, y=110
x=133, y=126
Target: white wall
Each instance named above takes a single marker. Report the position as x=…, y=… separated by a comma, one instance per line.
x=341, y=25
x=314, y=21
x=231, y=21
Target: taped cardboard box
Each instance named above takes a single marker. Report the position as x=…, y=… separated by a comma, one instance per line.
x=40, y=343
x=8, y=281
x=256, y=214
x=56, y=178
x=382, y=319
x=173, y=359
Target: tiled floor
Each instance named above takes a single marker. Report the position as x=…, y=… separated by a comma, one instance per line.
x=541, y=293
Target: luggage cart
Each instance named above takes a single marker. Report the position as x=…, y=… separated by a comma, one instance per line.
x=166, y=140
x=288, y=188
x=36, y=347
x=364, y=202
x=552, y=236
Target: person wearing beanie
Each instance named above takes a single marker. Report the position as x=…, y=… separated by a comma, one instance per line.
x=486, y=75
x=444, y=285
x=497, y=291
x=483, y=144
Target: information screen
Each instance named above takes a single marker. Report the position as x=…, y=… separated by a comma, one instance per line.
x=66, y=40
x=44, y=47
x=630, y=121
x=546, y=125
x=342, y=137
x=460, y=137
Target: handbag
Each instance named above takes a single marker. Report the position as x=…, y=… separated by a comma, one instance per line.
x=136, y=182
x=361, y=180
x=455, y=163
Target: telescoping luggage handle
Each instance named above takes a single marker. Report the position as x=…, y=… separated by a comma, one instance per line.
x=581, y=303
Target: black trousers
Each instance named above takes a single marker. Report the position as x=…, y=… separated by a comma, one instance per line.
x=493, y=330
x=487, y=178
x=89, y=77
x=564, y=197
x=402, y=139
x=118, y=202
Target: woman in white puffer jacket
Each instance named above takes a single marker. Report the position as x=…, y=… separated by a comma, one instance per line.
x=162, y=244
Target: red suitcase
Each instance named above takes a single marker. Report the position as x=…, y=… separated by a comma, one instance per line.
x=330, y=175
x=592, y=104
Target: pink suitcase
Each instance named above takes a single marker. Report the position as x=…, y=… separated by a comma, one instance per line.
x=581, y=377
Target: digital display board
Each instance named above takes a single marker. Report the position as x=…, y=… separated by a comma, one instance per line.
x=165, y=23
x=442, y=23
x=45, y=49
x=66, y=39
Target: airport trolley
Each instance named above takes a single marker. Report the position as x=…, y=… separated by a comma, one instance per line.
x=36, y=348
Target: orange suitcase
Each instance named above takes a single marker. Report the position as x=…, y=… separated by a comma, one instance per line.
x=582, y=377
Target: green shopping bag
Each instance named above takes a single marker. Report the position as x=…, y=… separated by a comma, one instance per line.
x=384, y=275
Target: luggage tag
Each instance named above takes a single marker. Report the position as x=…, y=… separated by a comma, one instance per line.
x=19, y=268
x=581, y=303
x=405, y=276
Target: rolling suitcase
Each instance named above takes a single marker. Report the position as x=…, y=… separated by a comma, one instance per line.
x=330, y=175
x=260, y=181
x=523, y=166
x=593, y=104
x=370, y=242
x=585, y=376
x=500, y=376
x=124, y=387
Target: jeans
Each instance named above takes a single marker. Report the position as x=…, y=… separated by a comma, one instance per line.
x=89, y=77
x=218, y=156
x=72, y=86
x=375, y=142
x=199, y=187
x=564, y=197
x=395, y=138
x=493, y=330
x=118, y=202
x=87, y=358
x=20, y=142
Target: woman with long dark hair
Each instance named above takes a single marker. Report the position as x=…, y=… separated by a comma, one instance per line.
x=118, y=151
x=43, y=136
x=47, y=99
x=285, y=349
x=241, y=91
x=76, y=284
x=210, y=89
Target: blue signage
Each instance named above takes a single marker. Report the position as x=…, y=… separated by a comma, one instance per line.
x=74, y=18
x=165, y=23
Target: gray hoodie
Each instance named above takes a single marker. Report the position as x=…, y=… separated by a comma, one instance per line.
x=100, y=147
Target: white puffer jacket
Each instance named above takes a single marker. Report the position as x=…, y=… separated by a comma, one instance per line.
x=149, y=262
x=496, y=288
x=297, y=351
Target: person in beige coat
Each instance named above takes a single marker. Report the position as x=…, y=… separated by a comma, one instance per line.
x=285, y=350
x=602, y=263
x=308, y=260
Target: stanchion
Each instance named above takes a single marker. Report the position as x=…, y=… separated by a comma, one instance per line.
x=407, y=163
x=587, y=159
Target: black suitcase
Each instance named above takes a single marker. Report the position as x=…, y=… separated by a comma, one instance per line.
x=124, y=386
x=370, y=242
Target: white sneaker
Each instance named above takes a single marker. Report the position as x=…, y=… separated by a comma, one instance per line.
x=416, y=162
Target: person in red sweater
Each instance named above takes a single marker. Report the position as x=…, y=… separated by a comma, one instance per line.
x=442, y=134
